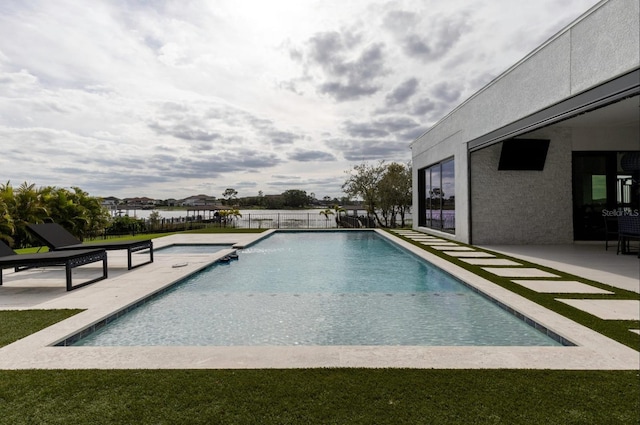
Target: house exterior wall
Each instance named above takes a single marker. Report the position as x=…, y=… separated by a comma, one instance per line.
x=599, y=46
x=523, y=207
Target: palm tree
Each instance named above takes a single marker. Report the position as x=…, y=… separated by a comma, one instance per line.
x=338, y=209
x=231, y=214
x=326, y=213
x=7, y=227
x=28, y=207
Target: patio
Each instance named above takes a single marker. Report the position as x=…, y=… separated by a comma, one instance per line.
x=585, y=259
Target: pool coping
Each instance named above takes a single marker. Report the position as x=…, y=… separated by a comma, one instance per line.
x=592, y=350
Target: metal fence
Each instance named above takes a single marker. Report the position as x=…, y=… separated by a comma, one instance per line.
x=302, y=220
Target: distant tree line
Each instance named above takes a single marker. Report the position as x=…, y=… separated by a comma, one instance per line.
x=74, y=209
x=289, y=199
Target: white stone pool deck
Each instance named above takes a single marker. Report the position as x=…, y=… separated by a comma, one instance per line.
x=44, y=289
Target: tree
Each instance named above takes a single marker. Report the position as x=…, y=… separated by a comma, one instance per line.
x=394, y=193
x=27, y=207
x=154, y=220
x=363, y=183
x=78, y=212
x=229, y=195
x=384, y=189
x=229, y=215
x=294, y=198
x=326, y=213
x=338, y=210
x=7, y=227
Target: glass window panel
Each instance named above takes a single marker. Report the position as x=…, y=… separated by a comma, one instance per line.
x=599, y=188
x=448, y=196
x=439, y=196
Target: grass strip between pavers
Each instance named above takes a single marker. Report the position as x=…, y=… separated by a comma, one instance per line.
x=617, y=330
x=319, y=396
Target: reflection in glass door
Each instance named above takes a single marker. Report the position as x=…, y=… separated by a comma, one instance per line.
x=591, y=193
x=601, y=189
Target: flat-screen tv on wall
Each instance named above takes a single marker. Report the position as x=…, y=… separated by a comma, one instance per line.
x=523, y=154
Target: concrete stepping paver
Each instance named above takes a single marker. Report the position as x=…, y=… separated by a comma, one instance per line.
x=637, y=331
x=561, y=286
x=438, y=242
x=490, y=262
x=452, y=247
x=518, y=272
x=469, y=254
x=608, y=309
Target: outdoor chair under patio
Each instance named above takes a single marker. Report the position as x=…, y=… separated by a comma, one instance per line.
x=628, y=228
x=69, y=259
x=57, y=238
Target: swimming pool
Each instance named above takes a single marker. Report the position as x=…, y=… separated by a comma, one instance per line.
x=320, y=288
x=191, y=249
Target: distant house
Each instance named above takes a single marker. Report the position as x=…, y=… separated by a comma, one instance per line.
x=199, y=201
x=142, y=202
x=110, y=201
x=544, y=151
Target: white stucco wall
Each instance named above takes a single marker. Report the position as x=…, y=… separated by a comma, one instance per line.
x=605, y=43
x=599, y=46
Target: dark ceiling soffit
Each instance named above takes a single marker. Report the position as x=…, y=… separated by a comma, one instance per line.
x=612, y=91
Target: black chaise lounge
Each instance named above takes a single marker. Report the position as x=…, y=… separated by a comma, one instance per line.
x=57, y=238
x=69, y=259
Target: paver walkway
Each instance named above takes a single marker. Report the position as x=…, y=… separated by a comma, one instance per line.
x=537, y=279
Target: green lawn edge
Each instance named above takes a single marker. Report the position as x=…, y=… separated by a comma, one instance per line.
x=319, y=396
x=17, y=324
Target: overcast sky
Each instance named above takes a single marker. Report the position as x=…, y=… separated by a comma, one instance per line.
x=168, y=99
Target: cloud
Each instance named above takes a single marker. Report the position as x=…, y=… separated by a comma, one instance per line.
x=185, y=132
x=215, y=122
x=365, y=130
x=427, y=37
x=399, y=21
x=226, y=162
x=161, y=99
x=367, y=150
x=304, y=155
x=380, y=128
x=277, y=137
x=341, y=65
x=446, y=91
x=401, y=93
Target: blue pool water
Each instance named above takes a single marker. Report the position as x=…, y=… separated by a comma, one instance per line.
x=191, y=249
x=320, y=288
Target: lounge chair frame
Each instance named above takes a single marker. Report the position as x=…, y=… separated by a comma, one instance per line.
x=68, y=259
x=57, y=238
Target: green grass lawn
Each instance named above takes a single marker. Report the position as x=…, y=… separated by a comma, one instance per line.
x=16, y=324
x=319, y=396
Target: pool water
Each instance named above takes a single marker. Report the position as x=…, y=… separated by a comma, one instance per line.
x=191, y=249
x=320, y=288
